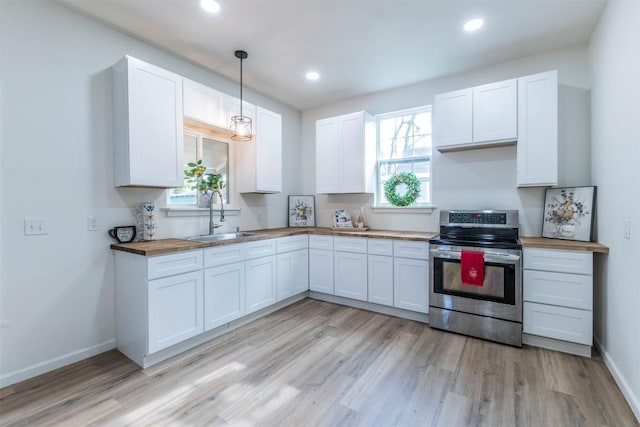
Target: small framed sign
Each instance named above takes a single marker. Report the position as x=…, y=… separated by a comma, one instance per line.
x=302, y=211
x=342, y=218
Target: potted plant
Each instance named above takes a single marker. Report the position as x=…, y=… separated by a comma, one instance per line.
x=203, y=182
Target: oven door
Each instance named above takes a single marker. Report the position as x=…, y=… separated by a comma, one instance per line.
x=499, y=297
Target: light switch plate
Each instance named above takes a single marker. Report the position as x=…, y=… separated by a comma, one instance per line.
x=35, y=226
x=627, y=229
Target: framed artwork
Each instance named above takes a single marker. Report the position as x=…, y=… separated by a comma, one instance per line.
x=342, y=218
x=569, y=213
x=302, y=211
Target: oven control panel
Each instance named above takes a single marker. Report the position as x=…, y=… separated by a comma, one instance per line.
x=479, y=218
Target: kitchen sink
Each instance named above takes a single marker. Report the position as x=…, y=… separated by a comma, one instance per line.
x=222, y=236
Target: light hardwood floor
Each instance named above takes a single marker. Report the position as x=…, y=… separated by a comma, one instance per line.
x=316, y=363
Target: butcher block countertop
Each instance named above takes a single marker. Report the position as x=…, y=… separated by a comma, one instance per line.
x=546, y=243
x=165, y=246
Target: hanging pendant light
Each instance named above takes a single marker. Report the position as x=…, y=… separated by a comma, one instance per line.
x=241, y=125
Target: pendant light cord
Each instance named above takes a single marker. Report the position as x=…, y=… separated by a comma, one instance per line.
x=241, y=88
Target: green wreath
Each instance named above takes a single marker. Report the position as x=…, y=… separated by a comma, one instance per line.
x=413, y=189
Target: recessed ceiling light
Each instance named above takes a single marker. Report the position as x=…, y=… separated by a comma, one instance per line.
x=312, y=75
x=473, y=24
x=210, y=5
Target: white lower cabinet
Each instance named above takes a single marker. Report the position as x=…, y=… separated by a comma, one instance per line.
x=350, y=275
x=224, y=289
x=380, y=283
x=293, y=273
x=411, y=275
x=321, y=263
x=175, y=309
x=260, y=283
x=411, y=284
x=558, y=295
x=350, y=267
x=321, y=270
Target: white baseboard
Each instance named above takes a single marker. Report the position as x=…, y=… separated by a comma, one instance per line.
x=58, y=362
x=632, y=399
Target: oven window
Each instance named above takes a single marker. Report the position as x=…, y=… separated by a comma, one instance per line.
x=499, y=281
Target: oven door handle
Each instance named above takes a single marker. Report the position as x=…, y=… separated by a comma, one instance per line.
x=487, y=256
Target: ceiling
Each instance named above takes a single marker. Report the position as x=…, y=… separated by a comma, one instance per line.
x=358, y=46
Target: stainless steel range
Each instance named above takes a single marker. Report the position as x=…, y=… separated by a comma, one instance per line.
x=492, y=308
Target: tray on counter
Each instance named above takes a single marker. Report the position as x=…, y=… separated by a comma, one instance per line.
x=351, y=229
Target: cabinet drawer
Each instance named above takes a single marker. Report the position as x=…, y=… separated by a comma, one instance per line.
x=292, y=243
x=221, y=255
x=411, y=249
x=380, y=247
x=559, y=261
x=170, y=265
x=350, y=244
x=567, y=290
x=320, y=242
x=260, y=248
x=567, y=324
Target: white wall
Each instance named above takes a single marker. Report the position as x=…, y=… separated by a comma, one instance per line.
x=615, y=71
x=56, y=298
x=481, y=179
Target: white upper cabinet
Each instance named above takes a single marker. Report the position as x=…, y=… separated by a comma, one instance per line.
x=538, y=130
x=453, y=118
x=495, y=112
x=148, y=121
x=469, y=118
x=260, y=160
x=203, y=104
x=345, y=154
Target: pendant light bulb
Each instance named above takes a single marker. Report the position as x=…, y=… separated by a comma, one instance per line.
x=241, y=125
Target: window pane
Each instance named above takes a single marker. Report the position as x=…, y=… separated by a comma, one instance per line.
x=215, y=155
x=185, y=195
x=404, y=145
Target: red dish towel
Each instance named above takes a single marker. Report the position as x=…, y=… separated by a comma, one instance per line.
x=472, y=268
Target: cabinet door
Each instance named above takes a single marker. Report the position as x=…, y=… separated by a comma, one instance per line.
x=452, y=118
x=203, y=103
x=268, y=141
x=293, y=273
x=260, y=283
x=148, y=120
x=321, y=270
x=300, y=271
x=285, y=286
x=175, y=310
x=411, y=284
x=380, y=280
x=495, y=111
x=224, y=288
x=537, y=156
x=350, y=275
x=328, y=163
x=352, y=159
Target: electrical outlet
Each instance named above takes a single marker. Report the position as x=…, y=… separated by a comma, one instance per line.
x=92, y=223
x=627, y=229
x=35, y=226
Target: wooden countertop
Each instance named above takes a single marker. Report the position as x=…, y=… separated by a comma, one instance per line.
x=165, y=246
x=546, y=243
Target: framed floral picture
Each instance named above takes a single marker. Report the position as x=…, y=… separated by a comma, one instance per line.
x=302, y=211
x=569, y=213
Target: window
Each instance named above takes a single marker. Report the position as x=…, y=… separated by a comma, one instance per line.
x=404, y=145
x=213, y=153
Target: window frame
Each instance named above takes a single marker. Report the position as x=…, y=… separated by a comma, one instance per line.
x=428, y=158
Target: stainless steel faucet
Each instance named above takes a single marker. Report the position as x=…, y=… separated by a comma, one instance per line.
x=213, y=226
